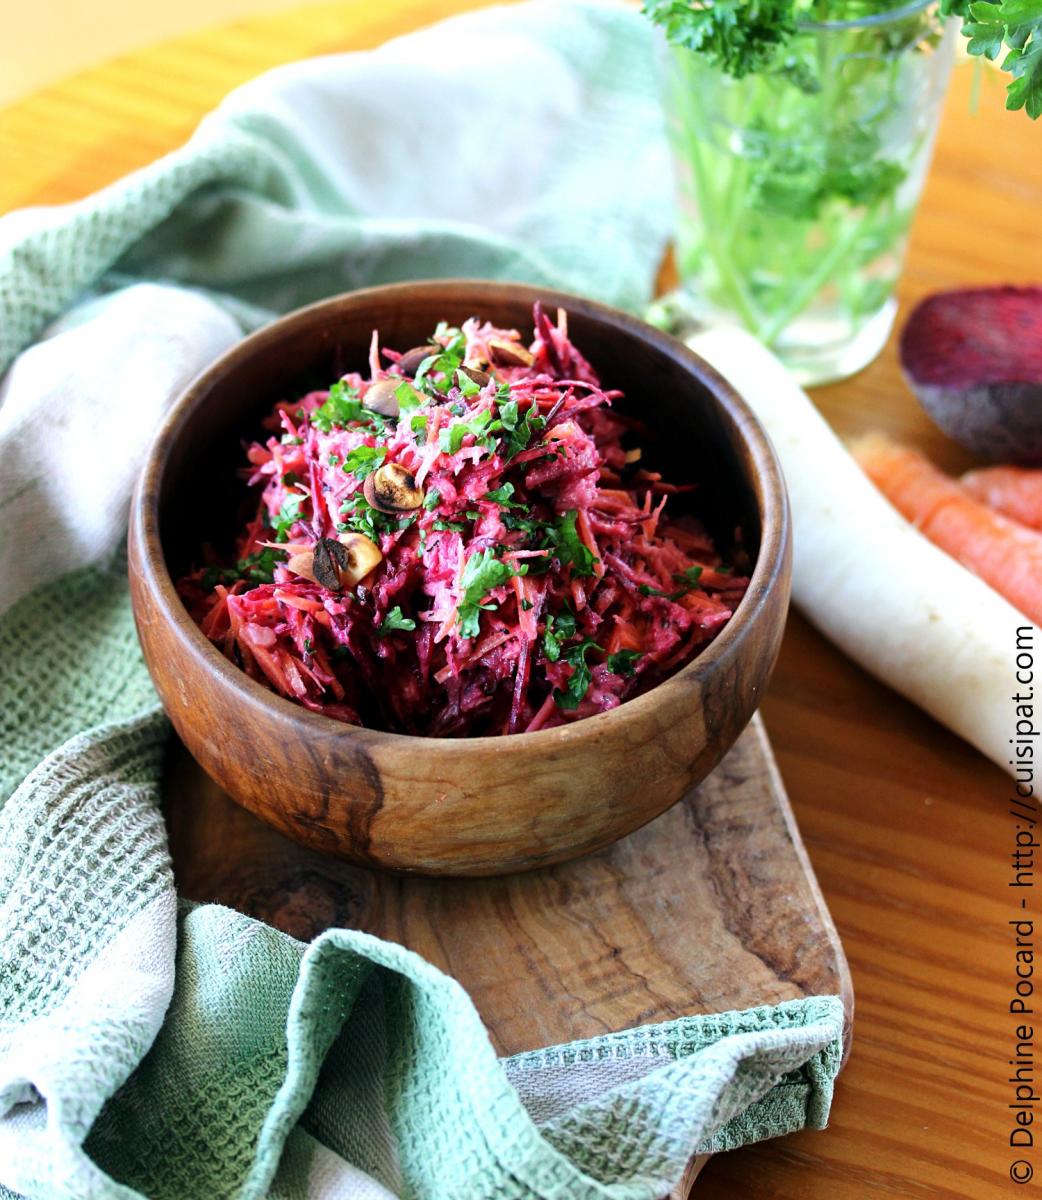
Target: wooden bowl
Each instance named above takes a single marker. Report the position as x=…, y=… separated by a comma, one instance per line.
x=478, y=806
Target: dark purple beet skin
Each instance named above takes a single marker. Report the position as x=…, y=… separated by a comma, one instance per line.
x=974, y=360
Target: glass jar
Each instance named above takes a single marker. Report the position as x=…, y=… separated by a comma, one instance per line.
x=797, y=184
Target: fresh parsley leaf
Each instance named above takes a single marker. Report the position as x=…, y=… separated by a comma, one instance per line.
x=342, y=406
x=481, y=425
x=436, y=373
x=260, y=566
x=395, y=619
x=364, y=460
x=738, y=36
x=482, y=573
x=579, y=681
x=408, y=397
x=559, y=628
x=521, y=524
x=565, y=623
x=623, y=661
x=551, y=643
x=1016, y=24
x=466, y=385
x=287, y=516
x=432, y=499
x=688, y=578
x=520, y=429
x=361, y=517
x=504, y=496
x=442, y=526
x=568, y=546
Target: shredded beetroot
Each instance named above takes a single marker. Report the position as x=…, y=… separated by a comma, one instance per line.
x=539, y=581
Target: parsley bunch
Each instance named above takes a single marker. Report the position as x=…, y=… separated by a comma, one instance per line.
x=738, y=36
x=1013, y=23
x=743, y=37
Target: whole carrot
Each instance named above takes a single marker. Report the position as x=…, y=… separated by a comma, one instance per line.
x=1004, y=553
x=1014, y=491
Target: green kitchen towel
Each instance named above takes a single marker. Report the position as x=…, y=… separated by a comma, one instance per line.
x=151, y=1049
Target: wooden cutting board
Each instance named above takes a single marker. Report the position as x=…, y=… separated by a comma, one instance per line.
x=712, y=906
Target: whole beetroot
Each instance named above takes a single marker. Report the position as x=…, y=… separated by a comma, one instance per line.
x=974, y=360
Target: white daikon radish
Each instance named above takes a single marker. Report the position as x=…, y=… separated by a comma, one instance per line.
x=867, y=578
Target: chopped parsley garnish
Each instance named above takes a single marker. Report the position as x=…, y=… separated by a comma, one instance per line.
x=559, y=628
x=408, y=398
x=361, y=517
x=287, y=516
x=623, y=662
x=254, y=568
x=342, y=406
x=579, y=682
x=431, y=500
x=395, y=619
x=504, y=496
x=444, y=360
x=523, y=524
x=520, y=429
x=466, y=385
x=442, y=526
x=481, y=425
x=568, y=546
x=483, y=572
x=689, y=579
x=364, y=460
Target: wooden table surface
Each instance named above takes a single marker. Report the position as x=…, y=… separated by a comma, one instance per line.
x=906, y=826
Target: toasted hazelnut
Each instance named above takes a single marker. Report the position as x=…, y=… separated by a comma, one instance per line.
x=382, y=396
x=329, y=563
x=363, y=554
x=410, y=361
x=475, y=375
x=303, y=564
x=337, y=564
x=392, y=489
x=509, y=354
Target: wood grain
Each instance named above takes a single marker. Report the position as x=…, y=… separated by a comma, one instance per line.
x=903, y=822
x=570, y=951
x=476, y=805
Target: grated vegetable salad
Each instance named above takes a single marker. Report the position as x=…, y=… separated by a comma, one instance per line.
x=462, y=541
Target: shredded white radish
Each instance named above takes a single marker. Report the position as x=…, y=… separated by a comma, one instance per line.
x=867, y=578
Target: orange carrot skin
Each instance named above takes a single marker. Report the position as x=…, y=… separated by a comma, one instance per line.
x=1002, y=552
x=1014, y=491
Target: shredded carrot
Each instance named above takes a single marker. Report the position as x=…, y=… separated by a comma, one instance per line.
x=1002, y=552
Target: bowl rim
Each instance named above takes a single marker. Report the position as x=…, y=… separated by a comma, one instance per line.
x=771, y=498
